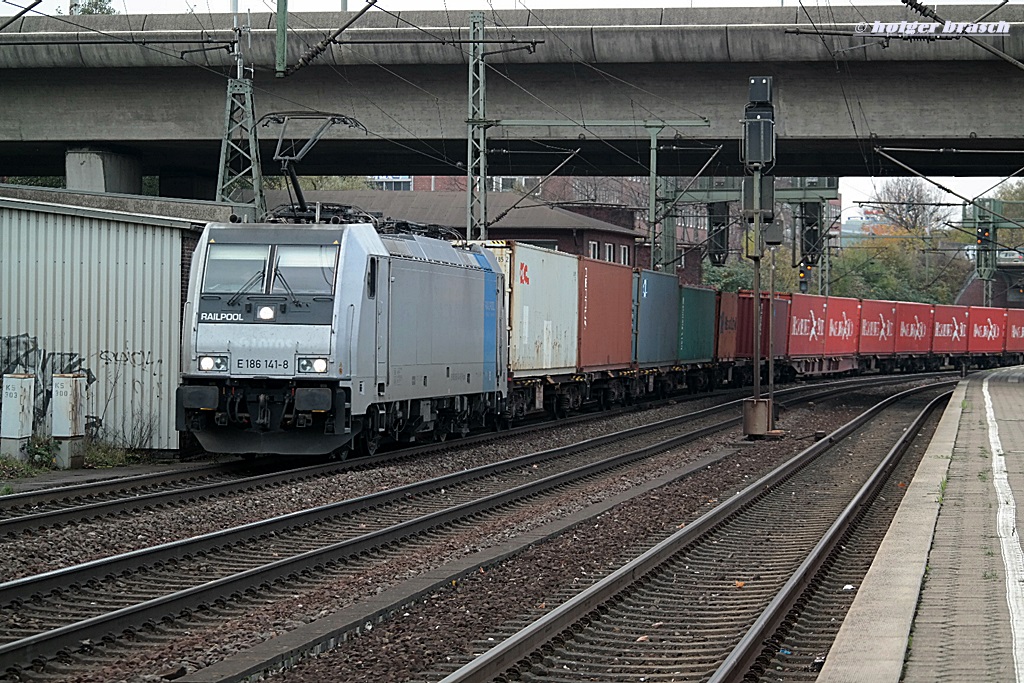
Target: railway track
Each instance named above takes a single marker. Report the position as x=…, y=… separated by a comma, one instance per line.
x=32, y=510
x=59, y=610
x=726, y=594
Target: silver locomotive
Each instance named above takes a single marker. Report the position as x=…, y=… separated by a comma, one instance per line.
x=326, y=338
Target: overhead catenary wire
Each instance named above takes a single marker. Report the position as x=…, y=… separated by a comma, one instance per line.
x=443, y=158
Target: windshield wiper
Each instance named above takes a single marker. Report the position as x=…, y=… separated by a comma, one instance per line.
x=279, y=277
x=256, y=277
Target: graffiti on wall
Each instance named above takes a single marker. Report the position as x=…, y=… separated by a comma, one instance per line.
x=21, y=354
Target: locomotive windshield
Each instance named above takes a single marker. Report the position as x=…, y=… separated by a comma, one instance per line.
x=298, y=269
x=232, y=268
x=306, y=269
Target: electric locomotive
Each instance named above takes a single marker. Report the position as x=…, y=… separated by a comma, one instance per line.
x=326, y=338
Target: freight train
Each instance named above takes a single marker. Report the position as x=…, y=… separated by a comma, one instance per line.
x=334, y=338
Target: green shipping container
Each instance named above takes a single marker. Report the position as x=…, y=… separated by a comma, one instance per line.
x=696, y=325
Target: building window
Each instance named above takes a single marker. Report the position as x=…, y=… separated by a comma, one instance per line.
x=595, y=252
x=399, y=183
x=624, y=254
x=609, y=252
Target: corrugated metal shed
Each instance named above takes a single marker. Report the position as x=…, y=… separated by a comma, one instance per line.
x=96, y=292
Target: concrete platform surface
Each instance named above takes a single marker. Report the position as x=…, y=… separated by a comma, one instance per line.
x=944, y=598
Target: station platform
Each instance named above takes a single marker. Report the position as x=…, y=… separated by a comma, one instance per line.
x=944, y=598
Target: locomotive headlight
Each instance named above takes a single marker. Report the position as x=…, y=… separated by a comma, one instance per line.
x=213, y=363
x=318, y=365
x=265, y=313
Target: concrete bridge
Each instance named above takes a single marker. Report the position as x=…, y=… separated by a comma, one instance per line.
x=135, y=88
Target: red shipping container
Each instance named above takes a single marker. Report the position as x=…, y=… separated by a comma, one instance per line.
x=842, y=326
x=986, y=329
x=1015, y=330
x=807, y=326
x=605, y=315
x=783, y=305
x=745, y=330
x=877, y=328
x=949, y=329
x=725, y=343
x=913, y=328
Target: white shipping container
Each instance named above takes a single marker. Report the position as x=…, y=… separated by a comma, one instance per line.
x=542, y=299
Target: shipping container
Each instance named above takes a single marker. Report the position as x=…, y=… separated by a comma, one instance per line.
x=656, y=318
x=605, y=315
x=949, y=330
x=986, y=328
x=542, y=300
x=745, y=322
x=913, y=328
x=725, y=341
x=1015, y=330
x=696, y=325
x=877, y=328
x=842, y=327
x=807, y=326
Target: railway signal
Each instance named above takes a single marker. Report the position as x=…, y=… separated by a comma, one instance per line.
x=757, y=151
x=810, y=234
x=804, y=275
x=718, y=233
x=984, y=236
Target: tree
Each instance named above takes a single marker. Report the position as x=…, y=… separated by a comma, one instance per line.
x=318, y=182
x=91, y=7
x=910, y=206
x=34, y=180
x=1012, y=194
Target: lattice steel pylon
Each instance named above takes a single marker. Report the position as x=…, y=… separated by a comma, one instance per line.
x=240, y=151
x=476, y=134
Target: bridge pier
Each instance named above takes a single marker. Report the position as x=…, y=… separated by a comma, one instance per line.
x=100, y=170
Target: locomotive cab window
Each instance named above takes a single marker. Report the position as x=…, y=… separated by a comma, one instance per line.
x=371, y=279
x=305, y=269
x=232, y=268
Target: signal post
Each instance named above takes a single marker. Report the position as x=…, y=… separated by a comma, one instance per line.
x=757, y=150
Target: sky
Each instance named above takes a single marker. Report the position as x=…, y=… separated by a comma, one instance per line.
x=852, y=189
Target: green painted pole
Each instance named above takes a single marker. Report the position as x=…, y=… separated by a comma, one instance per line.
x=282, y=38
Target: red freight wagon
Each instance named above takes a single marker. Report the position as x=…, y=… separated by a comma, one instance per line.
x=807, y=326
x=913, y=328
x=842, y=325
x=605, y=315
x=725, y=341
x=1014, y=330
x=745, y=325
x=949, y=327
x=986, y=329
x=877, y=328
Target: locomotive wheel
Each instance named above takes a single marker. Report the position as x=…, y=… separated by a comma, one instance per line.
x=367, y=445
